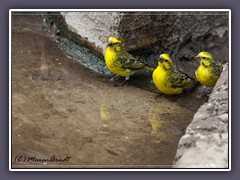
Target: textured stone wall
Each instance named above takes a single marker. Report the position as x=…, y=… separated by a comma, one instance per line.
x=182, y=34
x=205, y=144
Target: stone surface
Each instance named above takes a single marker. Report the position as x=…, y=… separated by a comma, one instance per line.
x=90, y=28
x=205, y=144
x=182, y=34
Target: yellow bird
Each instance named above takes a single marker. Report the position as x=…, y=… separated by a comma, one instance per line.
x=120, y=62
x=169, y=80
x=208, y=71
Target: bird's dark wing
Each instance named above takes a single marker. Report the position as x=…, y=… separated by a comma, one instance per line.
x=179, y=79
x=126, y=60
x=217, y=69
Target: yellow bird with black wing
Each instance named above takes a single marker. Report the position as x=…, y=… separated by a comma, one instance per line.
x=120, y=62
x=169, y=80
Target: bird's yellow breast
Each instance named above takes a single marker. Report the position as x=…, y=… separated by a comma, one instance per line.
x=160, y=79
x=110, y=57
x=205, y=77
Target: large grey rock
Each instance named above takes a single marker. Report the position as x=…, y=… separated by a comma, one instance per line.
x=182, y=34
x=88, y=28
x=93, y=27
x=205, y=144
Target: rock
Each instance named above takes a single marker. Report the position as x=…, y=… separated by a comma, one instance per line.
x=182, y=34
x=205, y=144
x=89, y=28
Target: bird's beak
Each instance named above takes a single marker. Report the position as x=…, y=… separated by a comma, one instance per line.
x=110, y=44
x=197, y=57
x=160, y=60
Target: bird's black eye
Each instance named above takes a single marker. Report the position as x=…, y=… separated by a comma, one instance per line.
x=203, y=58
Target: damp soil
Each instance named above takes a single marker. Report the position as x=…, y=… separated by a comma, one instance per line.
x=65, y=115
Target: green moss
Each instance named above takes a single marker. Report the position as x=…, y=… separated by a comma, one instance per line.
x=83, y=56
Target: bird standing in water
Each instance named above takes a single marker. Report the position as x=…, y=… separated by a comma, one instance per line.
x=168, y=80
x=208, y=71
x=120, y=62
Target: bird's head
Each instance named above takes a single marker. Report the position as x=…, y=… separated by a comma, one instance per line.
x=114, y=43
x=165, y=61
x=205, y=58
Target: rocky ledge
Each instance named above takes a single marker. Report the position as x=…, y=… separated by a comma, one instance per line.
x=205, y=144
x=182, y=34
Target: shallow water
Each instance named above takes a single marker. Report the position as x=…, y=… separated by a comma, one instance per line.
x=63, y=110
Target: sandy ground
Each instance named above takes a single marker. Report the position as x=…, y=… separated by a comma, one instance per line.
x=66, y=116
